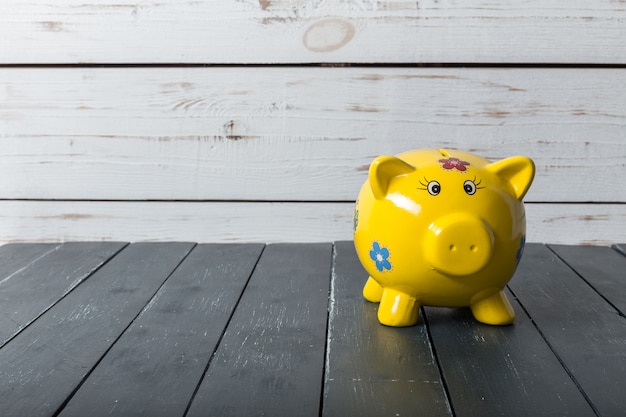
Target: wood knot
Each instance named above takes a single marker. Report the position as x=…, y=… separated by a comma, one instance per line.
x=328, y=35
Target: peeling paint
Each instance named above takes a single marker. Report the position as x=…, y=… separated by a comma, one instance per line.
x=51, y=26
x=359, y=108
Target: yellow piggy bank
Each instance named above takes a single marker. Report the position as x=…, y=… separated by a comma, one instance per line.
x=441, y=228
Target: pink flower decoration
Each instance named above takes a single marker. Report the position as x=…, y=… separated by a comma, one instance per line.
x=454, y=163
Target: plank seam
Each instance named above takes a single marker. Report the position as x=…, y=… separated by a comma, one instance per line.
x=108, y=349
x=556, y=355
x=618, y=249
x=31, y=263
x=433, y=349
x=20, y=330
x=586, y=282
x=350, y=201
x=330, y=309
x=19, y=65
x=91, y=273
x=219, y=340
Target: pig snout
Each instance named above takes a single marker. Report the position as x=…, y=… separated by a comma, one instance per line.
x=458, y=244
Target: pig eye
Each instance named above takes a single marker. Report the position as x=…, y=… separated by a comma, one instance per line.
x=469, y=187
x=433, y=188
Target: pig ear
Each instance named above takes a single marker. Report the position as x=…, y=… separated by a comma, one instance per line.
x=383, y=170
x=519, y=171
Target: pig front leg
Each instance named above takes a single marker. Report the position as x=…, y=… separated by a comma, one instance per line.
x=397, y=309
x=494, y=309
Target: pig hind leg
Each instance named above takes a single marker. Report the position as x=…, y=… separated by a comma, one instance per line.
x=372, y=291
x=494, y=309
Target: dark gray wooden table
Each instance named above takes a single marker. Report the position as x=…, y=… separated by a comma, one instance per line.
x=179, y=329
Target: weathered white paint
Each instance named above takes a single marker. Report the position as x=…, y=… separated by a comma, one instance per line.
x=299, y=134
x=303, y=31
x=277, y=153
x=57, y=221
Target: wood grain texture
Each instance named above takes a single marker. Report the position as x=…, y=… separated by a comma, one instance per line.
x=373, y=370
x=58, y=221
x=14, y=258
x=298, y=134
x=304, y=31
x=501, y=370
x=603, y=268
x=154, y=368
x=48, y=360
x=151, y=128
x=586, y=332
x=142, y=329
x=46, y=280
x=271, y=358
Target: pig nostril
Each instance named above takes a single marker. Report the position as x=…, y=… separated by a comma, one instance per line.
x=458, y=244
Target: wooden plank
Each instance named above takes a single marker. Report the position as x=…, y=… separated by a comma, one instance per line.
x=603, y=268
x=299, y=134
x=583, y=224
x=164, y=352
x=584, y=331
x=271, y=358
x=373, y=370
x=281, y=31
x=14, y=258
x=47, y=280
x=501, y=370
x=54, y=221
x=46, y=362
x=621, y=247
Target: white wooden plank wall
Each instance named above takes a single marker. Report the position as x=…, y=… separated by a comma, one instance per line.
x=298, y=31
x=256, y=120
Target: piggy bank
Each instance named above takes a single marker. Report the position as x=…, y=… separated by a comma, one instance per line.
x=441, y=228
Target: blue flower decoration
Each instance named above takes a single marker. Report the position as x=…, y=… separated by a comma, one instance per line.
x=520, y=250
x=380, y=256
